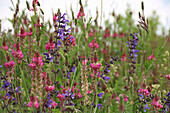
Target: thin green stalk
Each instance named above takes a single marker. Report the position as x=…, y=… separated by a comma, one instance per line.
x=25, y=85
x=73, y=78
x=96, y=98
x=101, y=14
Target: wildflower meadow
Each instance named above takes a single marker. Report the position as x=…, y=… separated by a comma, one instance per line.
x=74, y=64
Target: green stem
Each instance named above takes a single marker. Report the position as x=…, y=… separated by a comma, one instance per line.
x=25, y=85
x=73, y=78
x=96, y=97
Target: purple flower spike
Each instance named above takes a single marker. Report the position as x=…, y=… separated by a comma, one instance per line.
x=100, y=95
x=17, y=90
x=72, y=96
x=59, y=43
x=146, y=107
x=99, y=105
x=73, y=69
x=141, y=96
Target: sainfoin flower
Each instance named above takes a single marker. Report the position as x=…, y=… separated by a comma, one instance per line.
x=32, y=65
x=155, y=102
x=4, y=46
x=54, y=104
x=168, y=77
x=123, y=57
x=30, y=104
x=37, y=61
x=107, y=33
x=115, y=35
x=121, y=34
x=9, y=65
x=50, y=88
x=95, y=66
x=55, y=17
x=81, y=13
x=84, y=62
x=79, y=95
x=94, y=44
x=29, y=33
x=49, y=46
x=60, y=96
x=144, y=91
x=36, y=104
x=22, y=33
x=126, y=99
x=152, y=57
x=17, y=53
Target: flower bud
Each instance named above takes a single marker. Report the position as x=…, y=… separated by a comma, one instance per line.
x=142, y=5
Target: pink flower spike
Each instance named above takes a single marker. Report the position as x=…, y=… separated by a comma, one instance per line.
x=121, y=35
x=156, y=104
x=91, y=75
x=168, y=77
x=124, y=57
x=115, y=35
x=30, y=104
x=88, y=92
x=126, y=99
x=22, y=33
x=49, y=46
x=151, y=57
x=55, y=17
x=54, y=104
x=94, y=44
x=84, y=62
x=81, y=13
x=36, y=105
x=107, y=33
x=79, y=95
x=117, y=98
x=60, y=96
x=6, y=65
x=98, y=65
x=32, y=65
x=29, y=33
x=91, y=45
x=12, y=64
x=5, y=48
x=52, y=88
x=92, y=65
